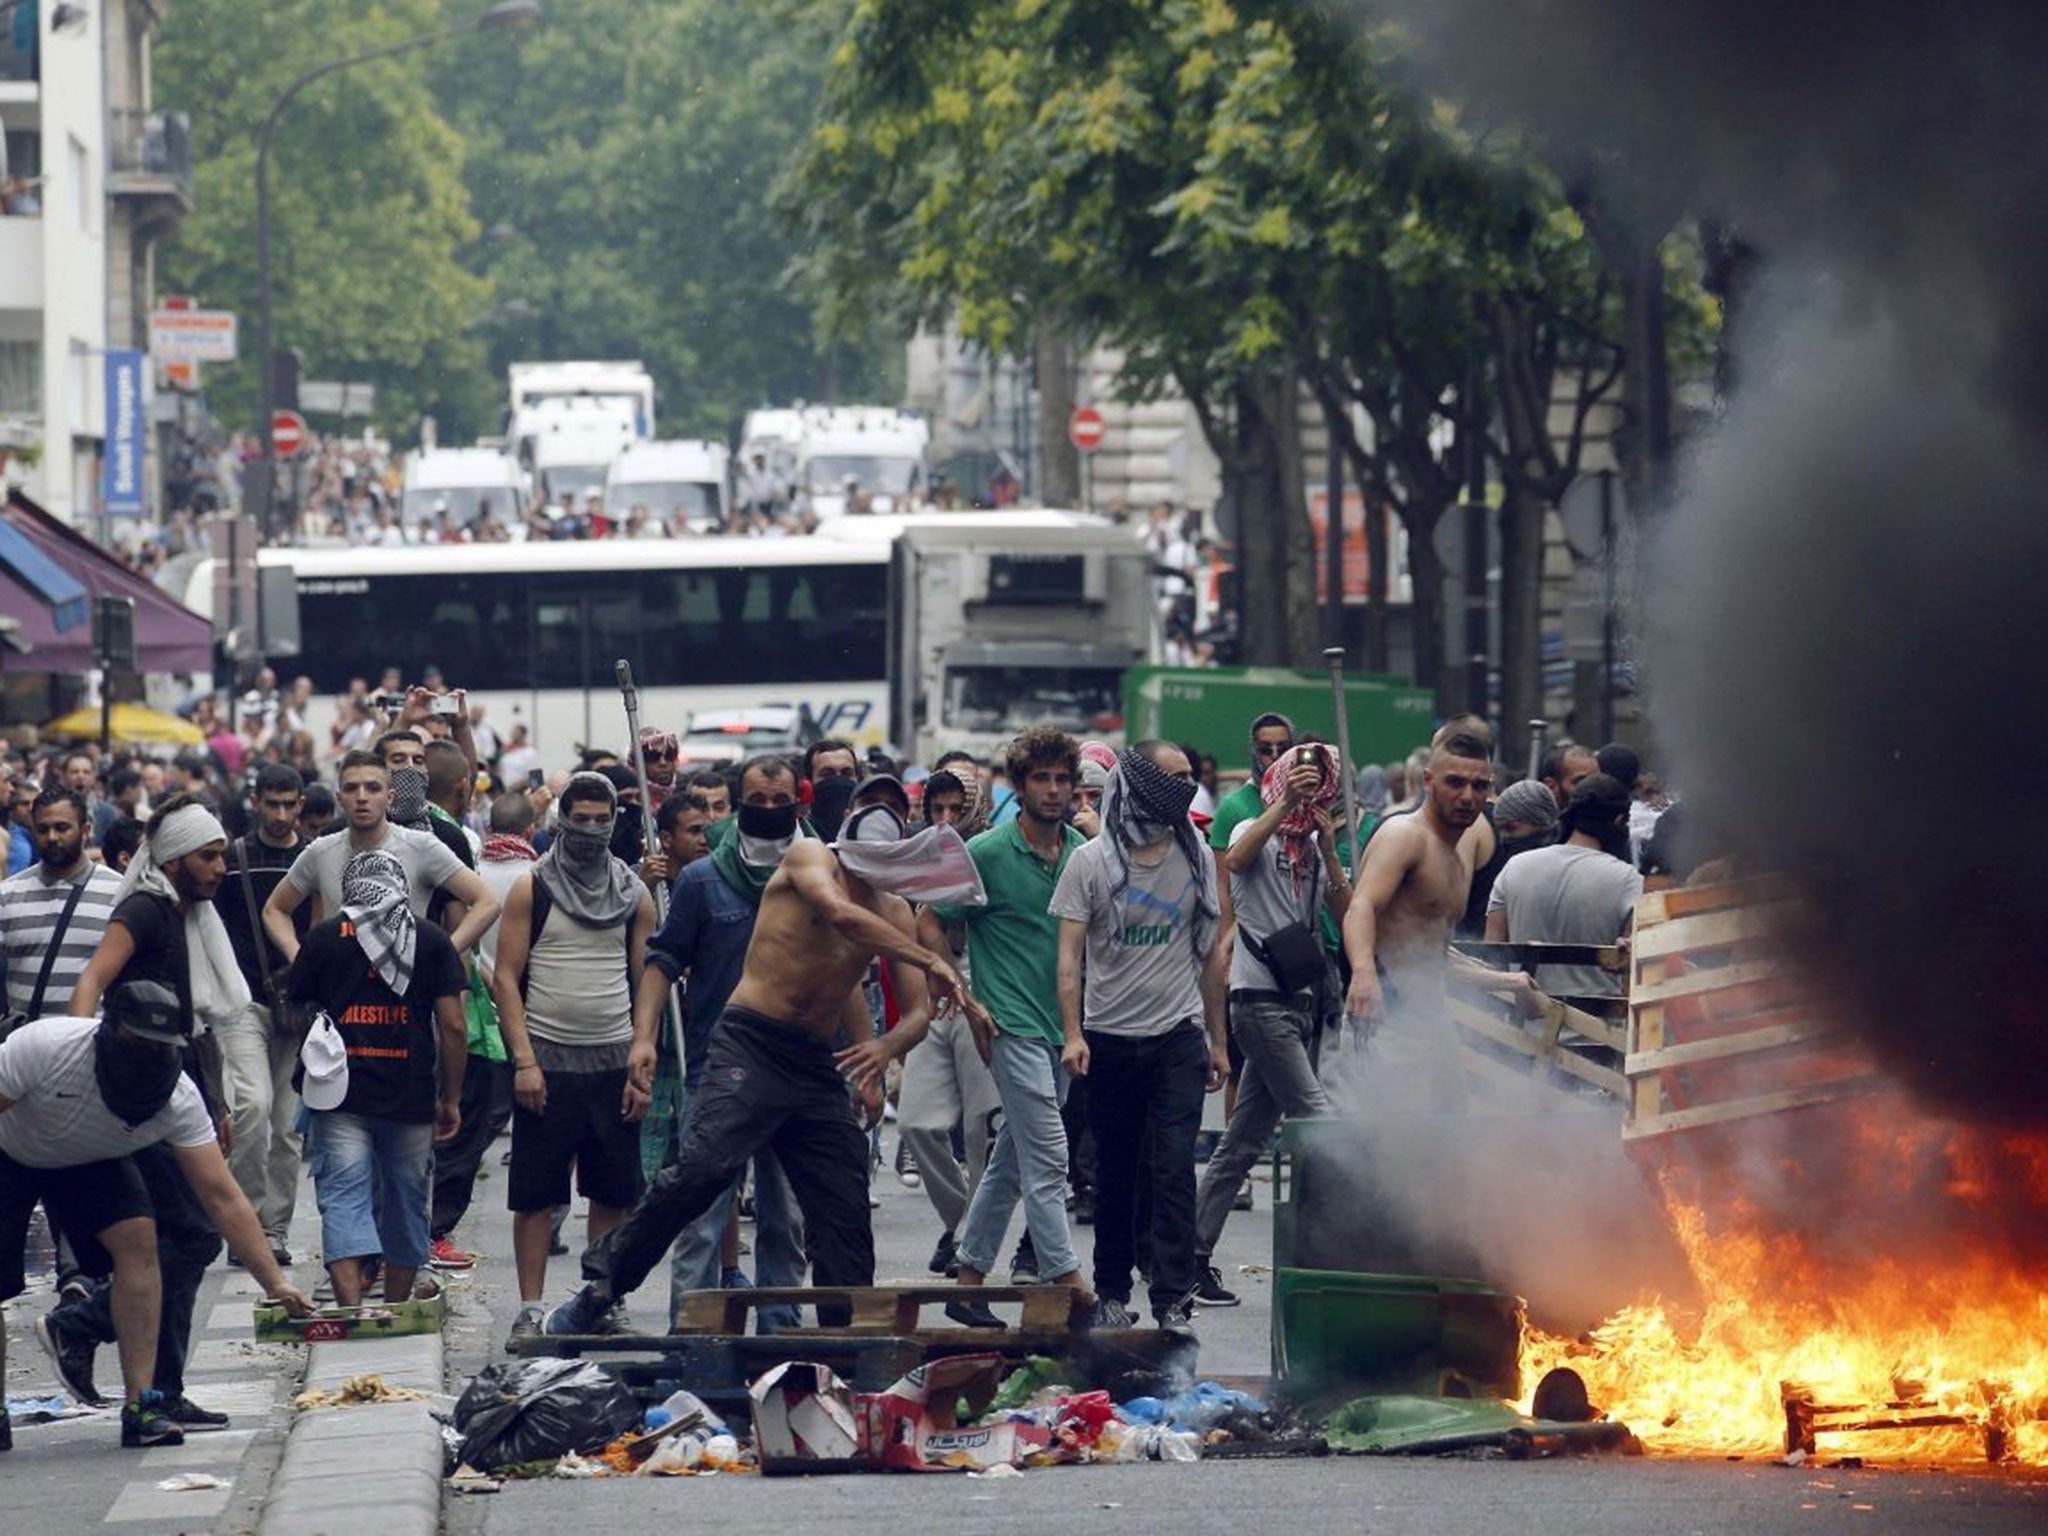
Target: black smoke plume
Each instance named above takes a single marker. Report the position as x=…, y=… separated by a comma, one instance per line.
x=1846, y=612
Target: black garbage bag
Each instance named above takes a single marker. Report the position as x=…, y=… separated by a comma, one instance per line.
x=534, y=1410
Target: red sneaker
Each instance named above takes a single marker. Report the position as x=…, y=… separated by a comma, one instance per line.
x=445, y=1255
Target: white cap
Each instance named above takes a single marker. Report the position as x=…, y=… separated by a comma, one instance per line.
x=325, y=1059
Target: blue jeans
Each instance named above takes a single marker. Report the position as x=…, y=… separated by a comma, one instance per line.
x=1029, y=1161
x=778, y=1240
x=372, y=1178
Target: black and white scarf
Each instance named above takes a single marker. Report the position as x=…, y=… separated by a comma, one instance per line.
x=375, y=900
x=1140, y=805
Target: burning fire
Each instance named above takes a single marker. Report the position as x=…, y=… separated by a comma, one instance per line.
x=1932, y=1306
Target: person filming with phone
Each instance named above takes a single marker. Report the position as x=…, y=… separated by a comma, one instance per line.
x=1282, y=866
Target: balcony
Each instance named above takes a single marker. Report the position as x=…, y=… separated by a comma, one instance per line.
x=149, y=160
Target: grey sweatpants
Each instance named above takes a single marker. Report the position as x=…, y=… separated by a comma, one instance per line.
x=945, y=1082
x=1279, y=1080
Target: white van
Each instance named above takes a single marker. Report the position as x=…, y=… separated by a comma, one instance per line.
x=872, y=448
x=469, y=484
x=682, y=484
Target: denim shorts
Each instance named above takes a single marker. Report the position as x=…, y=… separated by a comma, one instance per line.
x=373, y=1180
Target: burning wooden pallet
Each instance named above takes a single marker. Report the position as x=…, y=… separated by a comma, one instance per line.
x=1719, y=1030
x=1992, y=1414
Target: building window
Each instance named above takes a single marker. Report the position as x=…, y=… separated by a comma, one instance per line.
x=21, y=378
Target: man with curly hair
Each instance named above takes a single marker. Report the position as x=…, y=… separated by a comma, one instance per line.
x=1013, y=947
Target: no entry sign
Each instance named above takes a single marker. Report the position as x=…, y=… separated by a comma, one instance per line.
x=287, y=433
x=1085, y=428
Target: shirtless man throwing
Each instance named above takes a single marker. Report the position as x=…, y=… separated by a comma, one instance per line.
x=1397, y=930
x=770, y=1078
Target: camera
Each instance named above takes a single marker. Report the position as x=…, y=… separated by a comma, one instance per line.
x=444, y=704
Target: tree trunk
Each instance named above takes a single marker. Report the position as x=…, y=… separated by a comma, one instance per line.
x=1645, y=440
x=1521, y=618
x=1059, y=463
x=1275, y=541
x=1426, y=576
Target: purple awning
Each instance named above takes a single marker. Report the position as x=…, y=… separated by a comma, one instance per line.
x=169, y=637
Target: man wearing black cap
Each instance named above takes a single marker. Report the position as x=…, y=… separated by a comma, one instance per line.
x=1580, y=891
x=77, y=1096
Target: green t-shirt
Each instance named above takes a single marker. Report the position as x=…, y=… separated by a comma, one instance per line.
x=1013, y=943
x=1241, y=804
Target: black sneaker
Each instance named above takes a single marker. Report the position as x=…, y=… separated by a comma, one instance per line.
x=973, y=1314
x=6, y=1431
x=1242, y=1200
x=1209, y=1291
x=1084, y=1208
x=70, y=1349
x=1024, y=1267
x=945, y=1258
x=1180, y=1317
x=192, y=1418
x=145, y=1424
x=281, y=1254
x=1108, y=1312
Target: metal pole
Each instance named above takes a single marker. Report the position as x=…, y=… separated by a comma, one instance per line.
x=1333, y=547
x=1537, y=730
x=266, y=386
x=623, y=669
x=1335, y=657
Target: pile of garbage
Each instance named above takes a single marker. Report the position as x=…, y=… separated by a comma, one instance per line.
x=965, y=1413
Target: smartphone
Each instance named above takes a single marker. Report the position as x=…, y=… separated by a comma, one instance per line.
x=1312, y=752
x=445, y=704
x=386, y=702
x=535, y=779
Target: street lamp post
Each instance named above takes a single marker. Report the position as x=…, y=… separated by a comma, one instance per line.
x=505, y=15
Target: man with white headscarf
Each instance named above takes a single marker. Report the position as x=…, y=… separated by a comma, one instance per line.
x=393, y=987
x=1139, y=906
x=571, y=950
x=772, y=1079
x=165, y=930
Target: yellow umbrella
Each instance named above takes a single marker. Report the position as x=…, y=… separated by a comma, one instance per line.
x=136, y=723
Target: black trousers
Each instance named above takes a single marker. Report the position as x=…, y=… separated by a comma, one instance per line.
x=1146, y=1094
x=486, y=1110
x=765, y=1084
x=186, y=1244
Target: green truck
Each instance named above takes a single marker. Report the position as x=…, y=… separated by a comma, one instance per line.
x=1212, y=708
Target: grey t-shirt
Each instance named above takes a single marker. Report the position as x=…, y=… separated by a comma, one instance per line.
x=1567, y=895
x=1264, y=901
x=1143, y=975
x=428, y=866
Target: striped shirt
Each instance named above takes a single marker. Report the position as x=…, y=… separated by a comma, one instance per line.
x=30, y=905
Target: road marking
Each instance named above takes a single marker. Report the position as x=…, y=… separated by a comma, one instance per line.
x=146, y=1501
x=200, y=1450
x=238, y=1316
x=255, y=1399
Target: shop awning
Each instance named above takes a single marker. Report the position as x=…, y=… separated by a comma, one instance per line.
x=169, y=637
x=43, y=580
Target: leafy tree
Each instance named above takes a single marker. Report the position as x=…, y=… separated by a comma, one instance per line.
x=368, y=210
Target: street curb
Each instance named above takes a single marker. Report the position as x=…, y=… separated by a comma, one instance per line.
x=368, y=1471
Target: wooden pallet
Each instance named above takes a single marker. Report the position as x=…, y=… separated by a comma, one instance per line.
x=1719, y=1029
x=887, y=1311
x=1564, y=1036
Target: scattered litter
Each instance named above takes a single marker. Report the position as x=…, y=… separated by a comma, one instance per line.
x=466, y=1479
x=573, y=1466
x=1792, y=1459
x=1255, y=1269
x=1001, y=1469
x=534, y=1410
x=357, y=1389
x=47, y=1410
x=192, y=1482
x=805, y=1420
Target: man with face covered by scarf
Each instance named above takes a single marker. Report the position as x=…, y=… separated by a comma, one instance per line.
x=393, y=986
x=1579, y=891
x=771, y=1078
x=571, y=952
x=78, y=1098
x=1138, y=917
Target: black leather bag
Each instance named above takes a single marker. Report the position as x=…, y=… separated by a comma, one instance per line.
x=1293, y=956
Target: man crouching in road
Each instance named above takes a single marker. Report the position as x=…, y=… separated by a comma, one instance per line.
x=770, y=1078
x=76, y=1097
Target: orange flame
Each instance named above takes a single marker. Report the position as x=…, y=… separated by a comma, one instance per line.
x=1938, y=1302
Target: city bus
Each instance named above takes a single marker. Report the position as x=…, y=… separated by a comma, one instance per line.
x=917, y=632
x=533, y=629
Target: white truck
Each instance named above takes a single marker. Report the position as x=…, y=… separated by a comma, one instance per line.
x=471, y=485
x=568, y=421
x=825, y=452
x=683, y=484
